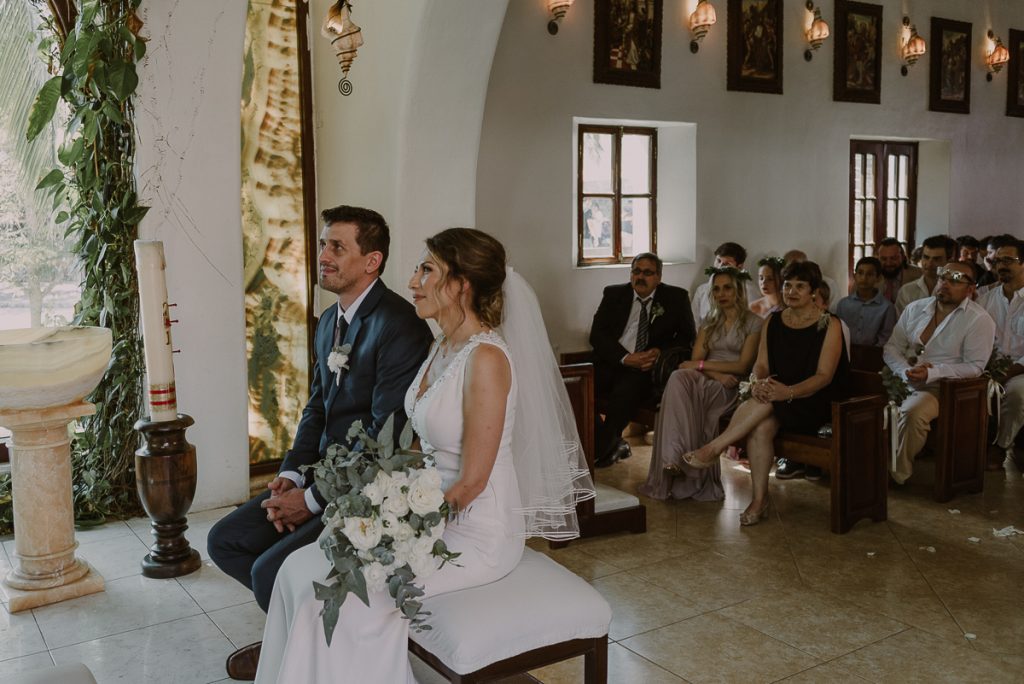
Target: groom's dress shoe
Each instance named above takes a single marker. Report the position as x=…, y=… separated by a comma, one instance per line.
x=624, y=451
x=242, y=663
x=620, y=452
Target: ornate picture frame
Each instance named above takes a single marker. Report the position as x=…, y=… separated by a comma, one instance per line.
x=1015, y=74
x=754, y=49
x=949, y=73
x=857, y=68
x=627, y=42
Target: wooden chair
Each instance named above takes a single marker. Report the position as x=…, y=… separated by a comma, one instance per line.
x=611, y=511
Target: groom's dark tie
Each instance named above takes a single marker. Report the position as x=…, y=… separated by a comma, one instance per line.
x=340, y=328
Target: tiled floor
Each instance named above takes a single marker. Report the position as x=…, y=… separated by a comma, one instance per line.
x=694, y=599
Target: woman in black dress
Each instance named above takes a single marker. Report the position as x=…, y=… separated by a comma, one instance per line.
x=799, y=370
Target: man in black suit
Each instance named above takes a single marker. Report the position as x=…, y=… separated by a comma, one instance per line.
x=387, y=343
x=633, y=324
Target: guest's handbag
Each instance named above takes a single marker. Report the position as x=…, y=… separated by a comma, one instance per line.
x=666, y=364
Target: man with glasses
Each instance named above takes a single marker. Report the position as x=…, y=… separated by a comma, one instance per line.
x=1004, y=302
x=936, y=252
x=635, y=321
x=947, y=335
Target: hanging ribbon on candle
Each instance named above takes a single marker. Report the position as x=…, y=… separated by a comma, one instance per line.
x=996, y=392
x=890, y=422
x=156, y=330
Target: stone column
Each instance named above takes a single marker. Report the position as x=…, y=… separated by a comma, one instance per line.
x=45, y=569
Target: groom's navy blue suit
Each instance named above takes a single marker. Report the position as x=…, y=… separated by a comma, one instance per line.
x=389, y=342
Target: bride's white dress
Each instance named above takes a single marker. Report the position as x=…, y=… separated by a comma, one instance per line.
x=370, y=643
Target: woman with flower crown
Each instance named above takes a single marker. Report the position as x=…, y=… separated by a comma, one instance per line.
x=702, y=390
x=800, y=369
x=513, y=469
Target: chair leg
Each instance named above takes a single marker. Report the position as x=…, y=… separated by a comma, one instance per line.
x=595, y=662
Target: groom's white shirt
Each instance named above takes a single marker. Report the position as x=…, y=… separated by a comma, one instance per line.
x=292, y=475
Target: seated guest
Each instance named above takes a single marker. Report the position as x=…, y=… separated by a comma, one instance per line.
x=896, y=270
x=947, y=335
x=633, y=323
x=702, y=391
x=801, y=368
x=936, y=252
x=915, y=258
x=821, y=296
x=769, y=282
x=988, y=276
x=1005, y=304
x=727, y=254
x=869, y=315
x=967, y=248
x=799, y=255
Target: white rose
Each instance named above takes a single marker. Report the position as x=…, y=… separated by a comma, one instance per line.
x=425, y=496
x=404, y=531
x=430, y=476
x=423, y=546
x=396, y=503
x=423, y=565
x=376, y=576
x=374, y=492
x=364, y=533
x=402, y=551
x=437, y=531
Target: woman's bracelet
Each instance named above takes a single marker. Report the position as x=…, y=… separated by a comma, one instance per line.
x=700, y=365
x=791, y=394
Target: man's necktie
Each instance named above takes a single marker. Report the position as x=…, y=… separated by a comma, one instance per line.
x=339, y=330
x=644, y=327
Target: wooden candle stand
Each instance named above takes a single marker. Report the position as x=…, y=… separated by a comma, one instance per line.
x=165, y=475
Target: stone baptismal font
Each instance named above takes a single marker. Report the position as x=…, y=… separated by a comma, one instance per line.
x=45, y=373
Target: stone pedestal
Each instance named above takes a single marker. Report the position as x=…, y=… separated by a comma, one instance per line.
x=45, y=569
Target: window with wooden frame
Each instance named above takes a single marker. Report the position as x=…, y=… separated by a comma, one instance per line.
x=883, y=195
x=616, y=193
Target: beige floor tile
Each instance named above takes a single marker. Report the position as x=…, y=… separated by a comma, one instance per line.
x=241, y=624
x=625, y=551
x=115, y=557
x=638, y=606
x=916, y=656
x=19, y=635
x=580, y=562
x=829, y=673
x=212, y=589
x=623, y=666
x=816, y=623
x=711, y=648
x=25, y=664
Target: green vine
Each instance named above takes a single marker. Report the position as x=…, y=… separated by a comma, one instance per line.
x=94, y=194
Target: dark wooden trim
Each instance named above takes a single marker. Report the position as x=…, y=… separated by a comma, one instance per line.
x=840, y=92
x=265, y=467
x=594, y=651
x=935, y=101
x=616, y=196
x=311, y=222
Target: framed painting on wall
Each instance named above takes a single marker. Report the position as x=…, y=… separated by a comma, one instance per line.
x=754, y=54
x=1015, y=75
x=857, y=69
x=949, y=74
x=627, y=42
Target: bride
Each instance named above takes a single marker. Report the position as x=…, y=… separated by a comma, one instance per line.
x=514, y=469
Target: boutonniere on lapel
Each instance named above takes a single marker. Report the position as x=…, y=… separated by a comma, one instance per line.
x=337, y=361
x=656, y=310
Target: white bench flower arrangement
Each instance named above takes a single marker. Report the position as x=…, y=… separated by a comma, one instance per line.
x=383, y=522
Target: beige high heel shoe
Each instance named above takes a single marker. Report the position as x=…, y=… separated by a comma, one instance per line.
x=753, y=517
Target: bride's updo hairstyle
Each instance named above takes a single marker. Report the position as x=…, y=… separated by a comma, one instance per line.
x=476, y=257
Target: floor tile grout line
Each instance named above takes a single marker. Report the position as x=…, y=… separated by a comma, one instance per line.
x=660, y=667
x=125, y=631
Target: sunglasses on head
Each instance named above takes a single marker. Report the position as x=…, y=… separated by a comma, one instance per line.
x=952, y=275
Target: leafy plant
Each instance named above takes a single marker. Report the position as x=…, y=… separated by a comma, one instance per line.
x=895, y=387
x=998, y=366
x=6, y=505
x=94, y=194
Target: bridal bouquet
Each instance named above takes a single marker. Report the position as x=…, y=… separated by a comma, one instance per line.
x=383, y=522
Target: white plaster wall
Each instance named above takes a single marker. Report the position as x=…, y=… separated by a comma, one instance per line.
x=188, y=113
x=772, y=170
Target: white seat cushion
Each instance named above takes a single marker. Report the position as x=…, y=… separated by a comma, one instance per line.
x=76, y=673
x=538, y=604
x=608, y=499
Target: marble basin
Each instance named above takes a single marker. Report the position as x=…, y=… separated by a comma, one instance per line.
x=44, y=367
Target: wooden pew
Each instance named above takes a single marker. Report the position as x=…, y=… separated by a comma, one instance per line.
x=628, y=517
x=958, y=437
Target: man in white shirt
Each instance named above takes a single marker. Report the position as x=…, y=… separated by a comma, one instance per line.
x=1005, y=304
x=936, y=252
x=727, y=254
x=947, y=335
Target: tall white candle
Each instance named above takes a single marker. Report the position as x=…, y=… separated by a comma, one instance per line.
x=156, y=330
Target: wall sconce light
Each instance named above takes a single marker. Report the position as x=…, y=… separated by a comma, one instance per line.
x=817, y=33
x=997, y=56
x=912, y=46
x=701, y=20
x=346, y=39
x=558, y=8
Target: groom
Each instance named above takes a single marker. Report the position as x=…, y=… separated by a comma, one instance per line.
x=387, y=343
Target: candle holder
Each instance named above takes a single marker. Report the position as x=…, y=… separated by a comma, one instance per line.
x=165, y=475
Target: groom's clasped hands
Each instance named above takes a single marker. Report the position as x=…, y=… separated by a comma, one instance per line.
x=286, y=507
